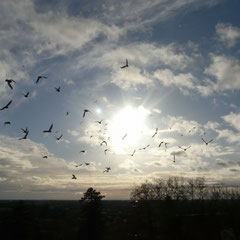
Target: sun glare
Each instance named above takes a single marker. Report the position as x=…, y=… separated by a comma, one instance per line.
x=126, y=128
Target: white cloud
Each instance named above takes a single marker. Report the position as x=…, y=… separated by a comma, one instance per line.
x=226, y=70
x=156, y=110
x=183, y=81
x=131, y=78
x=73, y=132
x=227, y=34
x=230, y=136
x=233, y=119
x=168, y=78
x=183, y=126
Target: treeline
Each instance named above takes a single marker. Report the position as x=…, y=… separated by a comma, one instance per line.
x=179, y=188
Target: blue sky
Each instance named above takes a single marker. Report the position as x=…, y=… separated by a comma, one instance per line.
x=182, y=78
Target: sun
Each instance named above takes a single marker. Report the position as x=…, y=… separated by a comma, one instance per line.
x=126, y=128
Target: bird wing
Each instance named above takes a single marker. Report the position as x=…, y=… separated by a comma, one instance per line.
x=204, y=140
x=51, y=127
x=9, y=103
x=9, y=84
x=210, y=140
x=84, y=113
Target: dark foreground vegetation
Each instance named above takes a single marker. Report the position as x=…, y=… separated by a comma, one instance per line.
x=92, y=218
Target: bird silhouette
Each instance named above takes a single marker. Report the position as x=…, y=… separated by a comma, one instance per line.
x=155, y=133
x=7, y=123
x=58, y=138
x=49, y=130
x=174, y=158
x=25, y=136
x=87, y=163
x=207, y=142
x=160, y=144
x=26, y=94
x=103, y=143
x=99, y=121
x=9, y=81
x=107, y=169
x=45, y=157
x=191, y=129
x=124, y=136
x=73, y=176
x=6, y=106
x=82, y=151
x=67, y=113
x=185, y=149
x=85, y=111
x=78, y=165
x=57, y=89
x=144, y=147
x=39, y=77
x=133, y=153
x=25, y=130
x=105, y=151
x=126, y=65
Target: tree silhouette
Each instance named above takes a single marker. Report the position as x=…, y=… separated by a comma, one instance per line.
x=92, y=196
x=93, y=228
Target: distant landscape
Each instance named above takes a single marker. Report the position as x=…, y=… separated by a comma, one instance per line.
x=121, y=220
x=164, y=209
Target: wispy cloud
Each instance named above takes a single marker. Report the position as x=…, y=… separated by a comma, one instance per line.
x=228, y=34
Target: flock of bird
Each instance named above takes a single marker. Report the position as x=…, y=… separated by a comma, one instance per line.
x=11, y=82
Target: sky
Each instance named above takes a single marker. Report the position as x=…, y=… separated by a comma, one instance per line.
x=181, y=87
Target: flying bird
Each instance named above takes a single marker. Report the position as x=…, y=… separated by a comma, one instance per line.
x=9, y=81
x=85, y=111
x=49, y=130
x=185, y=149
x=133, y=153
x=67, y=113
x=6, y=106
x=39, y=77
x=58, y=138
x=78, y=165
x=107, y=169
x=25, y=136
x=26, y=94
x=160, y=144
x=25, y=130
x=87, y=163
x=103, y=143
x=73, y=176
x=105, y=151
x=124, y=136
x=45, y=157
x=82, y=151
x=58, y=89
x=207, y=142
x=174, y=158
x=7, y=123
x=99, y=121
x=155, y=133
x=144, y=147
x=126, y=65
x=191, y=129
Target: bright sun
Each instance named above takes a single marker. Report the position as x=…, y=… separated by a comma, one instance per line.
x=126, y=128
